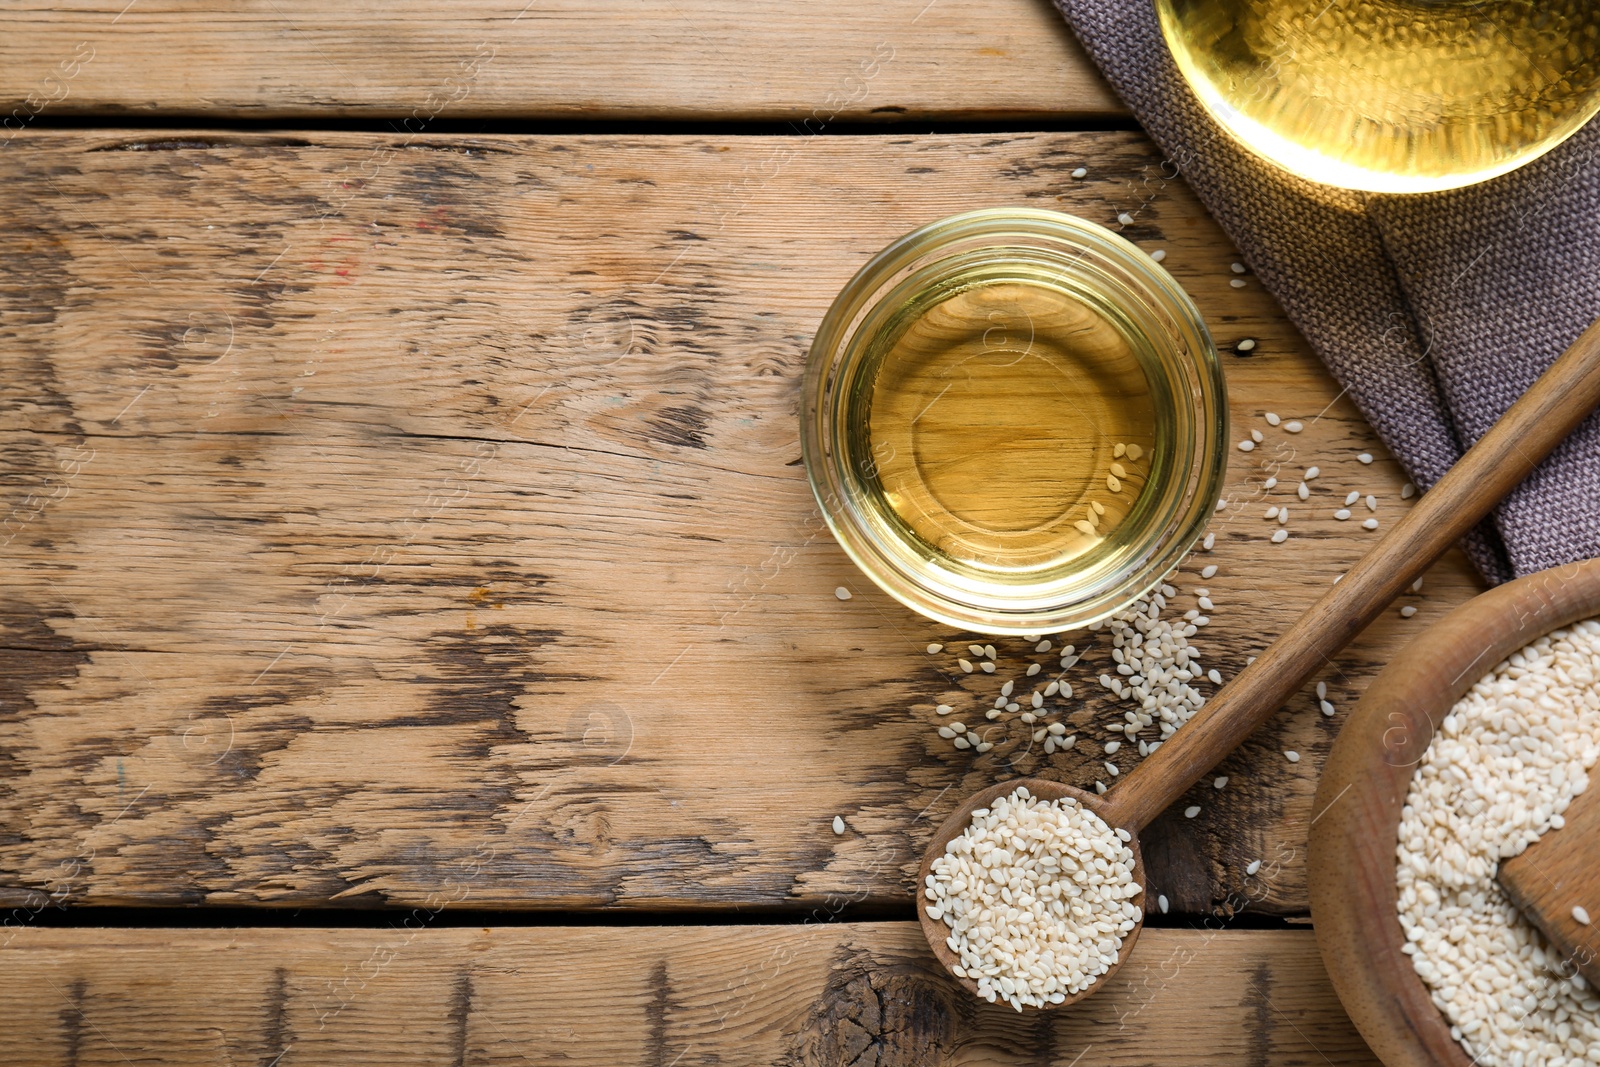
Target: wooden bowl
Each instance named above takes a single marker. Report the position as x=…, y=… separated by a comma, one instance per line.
x=1357, y=821
x=937, y=932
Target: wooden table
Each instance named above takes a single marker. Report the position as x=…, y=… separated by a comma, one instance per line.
x=418, y=641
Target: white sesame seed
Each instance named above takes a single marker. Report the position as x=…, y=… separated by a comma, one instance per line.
x=1135, y=451
x=976, y=650
x=1219, y=781
x=1159, y=254
x=1210, y=542
x=1205, y=604
x=1043, y=646
x=1255, y=435
x=1119, y=470
x=1220, y=505
x=1271, y=513
x=1580, y=915
x=1081, y=172
x=1208, y=570
x=1283, y=516
x=1416, y=586
x=1237, y=283
x=1293, y=426
x=1066, y=691
x=946, y=733
x=842, y=593
x=1322, y=690
x=1272, y=418
x=1005, y=690
x=1352, y=498
x=1051, y=689
x=1327, y=708
x=1099, y=787
x=1099, y=508
x=838, y=824
x=1037, y=700
x=944, y=709
x=1111, y=769
x=1270, y=483
x=1113, y=484
x=987, y=667
x=1033, y=669
x=1342, y=514
x=1408, y=611
x=1303, y=492
x=1312, y=473
x=1161, y=902
x=1280, y=537
x=962, y=742
x=1057, y=728
x=1365, y=457
x=1372, y=503
x=1370, y=524
x=1118, y=450
x=1252, y=867
x=1237, y=268
x=983, y=746
x=935, y=649
x=964, y=665
x=1215, y=676
x=1291, y=756
x=1407, y=491
x=959, y=727
x=1191, y=811
x=1013, y=706
x=1125, y=218
x=1247, y=446
x=988, y=650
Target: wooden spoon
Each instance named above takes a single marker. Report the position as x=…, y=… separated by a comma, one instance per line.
x=1551, y=408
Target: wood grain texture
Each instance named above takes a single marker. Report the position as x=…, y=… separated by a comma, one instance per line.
x=813, y=63
x=1498, y=461
x=1558, y=872
x=403, y=520
x=1359, y=801
x=824, y=995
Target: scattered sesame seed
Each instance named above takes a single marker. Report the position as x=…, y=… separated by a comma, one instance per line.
x=1205, y=604
x=1365, y=457
x=1270, y=483
x=1283, y=516
x=1100, y=787
x=1408, y=611
x=935, y=649
x=1237, y=283
x=1219, y=781
x=1416, y=586
x=1237, y=268
x=1134, y=452
x=1272, y=418
x=1222, y=503
x=1372, y=502
x=1322, y=690
x=1005, y=690
x=1043, y=646
x=1370, y=524
x=1118, y=450
x=987, y=667
x=1066, y=691
x=1119, y=470
x=1037, y=700
x=1312, y=472
x=1271, y=513
x=1255, y=435
x=842, y=593
x=1159, y=254
x=988, y=650
x=983, y=746
x=1125, y=218
x=964, y=665
x=946, y=733
x=1252, y=867
x=1112, y=483
x=1294, y=426
x=1579, y=914
x=962, y=742
x=976, y=650
x=1161, y=902
x=1099, y=508
x=1081, y=172
x=1191, y=811
x=1280, y=537
x=1342, y=514
x=1215, y=676
x=1208, y=570
x=1407, y=491
x=944, y=709
x=838, y=824
x=1112, y=746
x=1033, y=669
x=1111, y=769
x=1327, y=708
x=1210, y=542
x=1057, y=729
x=1247, y=446
x=1304, y=492
x=1291, y=756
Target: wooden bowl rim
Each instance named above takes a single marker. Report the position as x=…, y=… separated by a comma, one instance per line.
x=935, y=930
x=1356, y=824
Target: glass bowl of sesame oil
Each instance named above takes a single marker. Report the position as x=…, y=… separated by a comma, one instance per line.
x=1014, y=421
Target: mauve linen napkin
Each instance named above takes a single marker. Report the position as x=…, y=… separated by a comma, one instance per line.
x=1434, y=311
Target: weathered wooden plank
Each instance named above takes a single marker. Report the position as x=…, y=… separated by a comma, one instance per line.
x=391, y=519
x=826, y=994
x=815, y=63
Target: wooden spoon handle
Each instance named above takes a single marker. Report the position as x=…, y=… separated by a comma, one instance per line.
x=1524, y=435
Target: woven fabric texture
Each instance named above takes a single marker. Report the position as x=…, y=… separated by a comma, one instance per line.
x=1435, y=312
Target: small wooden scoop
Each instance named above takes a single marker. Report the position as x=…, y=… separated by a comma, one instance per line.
x=1544, y=415
x=1557, y=873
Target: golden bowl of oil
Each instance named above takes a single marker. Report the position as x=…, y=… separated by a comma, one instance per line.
x=1014, y=421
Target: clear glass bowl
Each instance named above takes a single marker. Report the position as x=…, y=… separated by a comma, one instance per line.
x=938, y=555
